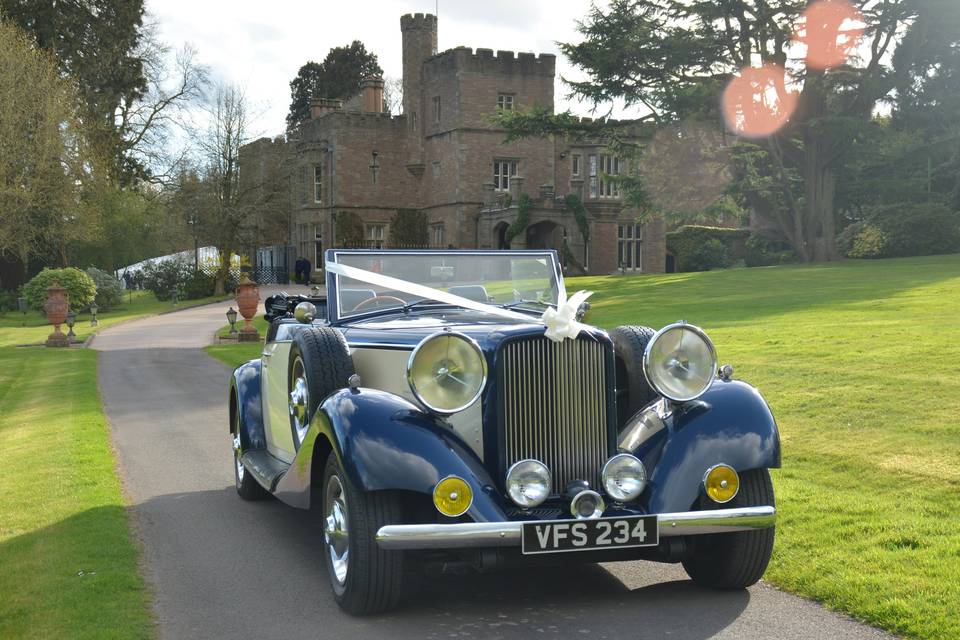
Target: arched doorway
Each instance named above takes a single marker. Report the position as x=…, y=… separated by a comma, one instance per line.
x=545, y=235
x=500, y=234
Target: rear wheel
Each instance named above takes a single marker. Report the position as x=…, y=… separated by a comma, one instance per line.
x=365, y=578
x=734, y=560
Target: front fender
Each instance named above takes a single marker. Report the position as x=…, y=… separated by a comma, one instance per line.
x=729, y=424
x=245, y=383
x=384, y=442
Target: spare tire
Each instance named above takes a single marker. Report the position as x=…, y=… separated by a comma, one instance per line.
x=633, y=390
x=319, y=364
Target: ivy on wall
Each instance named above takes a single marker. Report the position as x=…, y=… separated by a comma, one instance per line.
x=523, y=218
x=409, y=228
x=349, y=229
x=573, y=204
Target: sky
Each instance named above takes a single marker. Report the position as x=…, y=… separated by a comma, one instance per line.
x=261, y=45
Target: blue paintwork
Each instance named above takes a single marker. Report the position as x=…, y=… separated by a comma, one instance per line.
x=245, y=382
x=731, y=424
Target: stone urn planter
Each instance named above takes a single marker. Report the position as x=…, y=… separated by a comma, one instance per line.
x=248, y=300
x=56, y=307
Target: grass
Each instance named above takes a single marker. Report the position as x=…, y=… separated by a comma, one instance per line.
x=68, y=567
x=860, y=362
x=18, y=329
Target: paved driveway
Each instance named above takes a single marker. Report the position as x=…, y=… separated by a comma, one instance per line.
x=223, y=568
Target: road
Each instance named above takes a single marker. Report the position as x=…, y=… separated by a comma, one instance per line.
x=219, y=567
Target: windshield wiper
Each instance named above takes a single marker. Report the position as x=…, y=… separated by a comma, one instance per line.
x=517, y=303
x=410, y=305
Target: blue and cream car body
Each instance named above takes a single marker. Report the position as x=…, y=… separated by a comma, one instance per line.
x=434, y=481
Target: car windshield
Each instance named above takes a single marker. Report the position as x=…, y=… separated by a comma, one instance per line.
x=525, y=279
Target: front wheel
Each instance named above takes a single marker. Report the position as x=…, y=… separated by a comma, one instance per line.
x=735, y=560
x=247, y=486
x=365, y=578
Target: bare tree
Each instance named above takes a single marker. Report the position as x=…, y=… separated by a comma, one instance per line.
x=393, y=95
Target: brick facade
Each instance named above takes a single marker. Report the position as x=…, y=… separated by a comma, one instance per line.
x=439, y=157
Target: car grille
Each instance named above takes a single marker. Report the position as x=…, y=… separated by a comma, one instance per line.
x=554, y=407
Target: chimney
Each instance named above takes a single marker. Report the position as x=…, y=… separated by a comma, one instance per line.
x=371, y=94
x=324, y=106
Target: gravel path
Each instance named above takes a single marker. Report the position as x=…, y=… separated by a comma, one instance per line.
x=220, y=567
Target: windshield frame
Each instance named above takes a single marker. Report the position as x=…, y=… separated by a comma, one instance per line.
x=333, y=280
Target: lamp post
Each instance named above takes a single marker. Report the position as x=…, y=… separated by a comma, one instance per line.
x=71, y=319
x=93, y=314
x=22, y=305
x=232, y=319
x=174, y=296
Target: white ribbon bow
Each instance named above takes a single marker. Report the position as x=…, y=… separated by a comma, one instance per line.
x=562, y=321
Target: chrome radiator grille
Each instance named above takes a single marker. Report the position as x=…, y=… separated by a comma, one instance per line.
x=554, y=407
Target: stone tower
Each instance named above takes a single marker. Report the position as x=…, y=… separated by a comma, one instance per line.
x=419, y=43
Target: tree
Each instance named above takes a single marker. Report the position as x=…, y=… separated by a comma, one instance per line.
x=44, y=156
x=676, y=57
x=338, y=77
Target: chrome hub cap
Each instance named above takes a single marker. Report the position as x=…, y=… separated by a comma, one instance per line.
x=335, y=531
x=237, y=453
x=299, y=400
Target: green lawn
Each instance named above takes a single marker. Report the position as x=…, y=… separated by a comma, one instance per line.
x=860, y=361
x=68, y=566
x=18, y=329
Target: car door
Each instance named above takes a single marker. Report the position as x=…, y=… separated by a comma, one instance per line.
x=276, y=414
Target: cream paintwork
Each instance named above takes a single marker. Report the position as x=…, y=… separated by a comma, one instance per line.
x=386, y=370
x=276, y=418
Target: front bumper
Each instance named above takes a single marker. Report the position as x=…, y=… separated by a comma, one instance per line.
x=507, y=534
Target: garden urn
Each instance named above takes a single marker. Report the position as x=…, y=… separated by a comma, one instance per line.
x=248, y=299
x=56, y=307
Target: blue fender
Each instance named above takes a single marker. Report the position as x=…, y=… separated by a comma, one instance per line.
x=245, y=382
x=384, y=442
x=731, y=424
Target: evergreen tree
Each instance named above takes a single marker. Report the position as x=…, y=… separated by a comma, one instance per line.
x=338, y=77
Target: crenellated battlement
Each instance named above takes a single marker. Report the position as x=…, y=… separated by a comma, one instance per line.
x=485, y=61
x=418, y=22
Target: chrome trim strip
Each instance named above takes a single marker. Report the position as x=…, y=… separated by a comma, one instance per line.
x=507, y=534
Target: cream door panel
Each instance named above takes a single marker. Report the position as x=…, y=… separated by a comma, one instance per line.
x=386, y=370
x=275, y=395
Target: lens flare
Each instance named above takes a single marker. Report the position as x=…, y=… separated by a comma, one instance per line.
x=830, y=29
x=757, y=103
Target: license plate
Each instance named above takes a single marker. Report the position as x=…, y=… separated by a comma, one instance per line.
x=558, y=536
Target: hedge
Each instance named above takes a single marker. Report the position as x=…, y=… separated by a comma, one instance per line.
x=687, y=242
x=80, y=287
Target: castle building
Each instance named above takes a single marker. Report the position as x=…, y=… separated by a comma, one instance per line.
x=355, y=166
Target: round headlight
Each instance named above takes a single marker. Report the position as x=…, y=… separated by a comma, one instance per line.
x=624, y=477
x=447, y=372
x=680, y=362
x=528, y=483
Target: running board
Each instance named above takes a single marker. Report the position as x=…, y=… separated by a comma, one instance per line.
x=264, y=467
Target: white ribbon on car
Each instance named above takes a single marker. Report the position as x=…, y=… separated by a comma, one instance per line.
x=560, y=322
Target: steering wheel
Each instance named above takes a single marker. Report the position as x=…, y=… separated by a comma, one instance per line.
x=376, y=299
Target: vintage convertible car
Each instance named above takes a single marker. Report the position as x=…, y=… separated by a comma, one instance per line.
x=448, y=408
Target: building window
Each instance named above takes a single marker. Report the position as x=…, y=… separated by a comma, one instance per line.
x=436, y=235
x=609, y=165
x=505, y=102
x=436, y=109
x=575, y=164
x=304, y=185
x=375, y=235
x=318, y=183
x=317, y=246
x=630, y=247
x=593, y=175
x=436, y=168
x=413, y=120
x=502, y=170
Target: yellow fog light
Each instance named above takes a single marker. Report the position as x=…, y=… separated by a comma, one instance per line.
x=452, y=496
x=721, y=483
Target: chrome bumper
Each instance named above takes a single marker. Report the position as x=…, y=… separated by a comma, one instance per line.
x=507, y=534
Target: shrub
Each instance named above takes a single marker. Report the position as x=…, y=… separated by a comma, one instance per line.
x=8, y=300
x=761, y=252
x=162, y=277
x=712, y=254
x=918, y=229
x=846, y=238
x=687, y=240
x=409, y=228
x=199, y=285
x=870, y=242
x=80, y=287
x=109, y=289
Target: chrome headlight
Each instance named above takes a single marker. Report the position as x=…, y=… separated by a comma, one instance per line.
x=680, y=362
x=447, y=372
x=528, y=483
x=624, y=477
